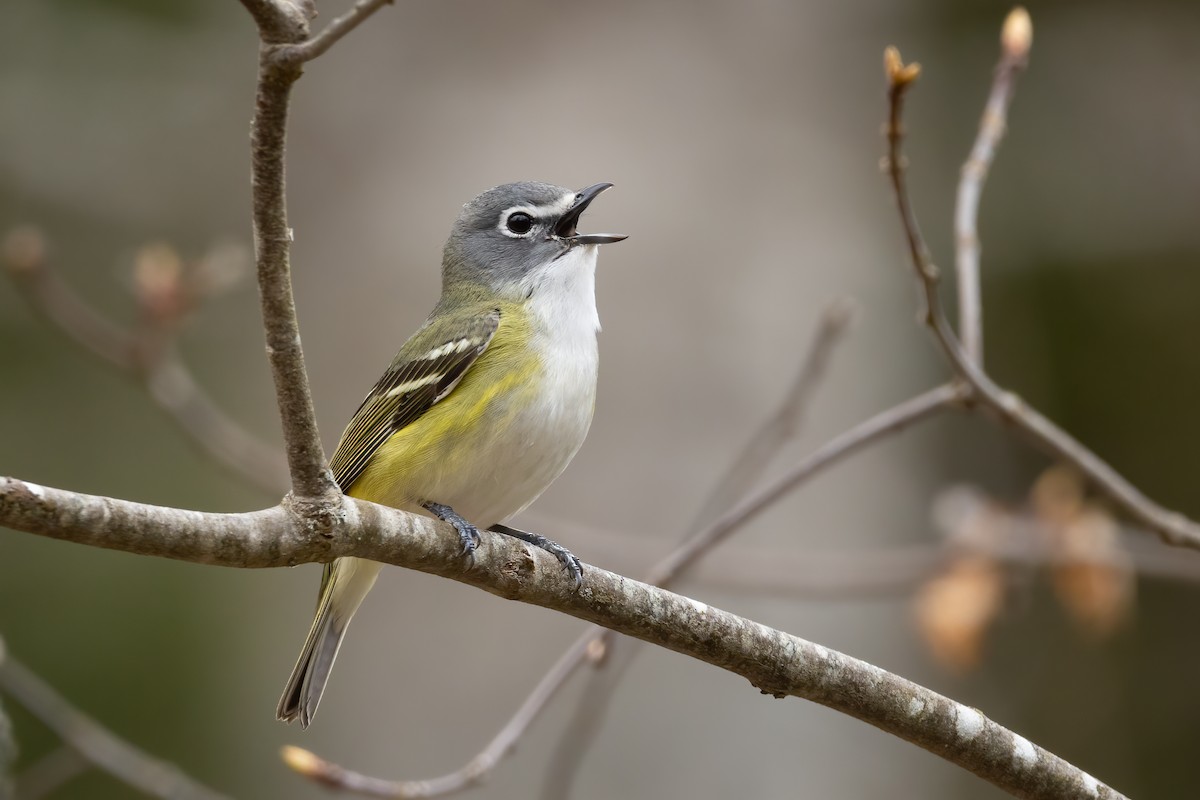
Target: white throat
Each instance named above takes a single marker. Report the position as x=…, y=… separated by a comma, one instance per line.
x=562, y=296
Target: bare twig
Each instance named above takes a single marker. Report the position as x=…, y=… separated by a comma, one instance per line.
x=972, y=523
x=172, y=386
x=336, y=29
x=336, y=776
x=881, y=425
x=8, y=746
x=24, y=254
x=96, y=743
x=744, y=471
x=146, y=356
x=1173, y=527
x=50, y=772
x=784, y=425
x=901, y=77
x=887, y=570
x=1015, y=41
x=283, y=29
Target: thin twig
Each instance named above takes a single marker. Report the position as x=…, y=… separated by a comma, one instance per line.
x=24, y=254
x=886, y=423
x=743, y=473
x=1015, y=41
x=336, y=29
x=50, y=773
x=147, y=358
x=784, y=425
x=174, y=388
x=888, y=570
x=1173, y=527
x=96, y=743
x=470, y=774
x=285, y=46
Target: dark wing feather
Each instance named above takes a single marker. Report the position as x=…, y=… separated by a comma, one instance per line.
x=431, y=365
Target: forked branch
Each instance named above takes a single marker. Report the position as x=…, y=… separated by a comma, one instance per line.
x=1173, y=527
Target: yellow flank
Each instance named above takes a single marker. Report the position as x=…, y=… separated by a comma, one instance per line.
x=443, y=446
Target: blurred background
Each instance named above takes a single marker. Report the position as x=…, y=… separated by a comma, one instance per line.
x=744, y=142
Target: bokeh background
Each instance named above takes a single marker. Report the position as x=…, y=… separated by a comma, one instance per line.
x=744, y=142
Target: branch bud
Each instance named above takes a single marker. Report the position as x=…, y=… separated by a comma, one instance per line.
x=308, y=764
x=158, y=282
x=1017, y=35
x=898, y=73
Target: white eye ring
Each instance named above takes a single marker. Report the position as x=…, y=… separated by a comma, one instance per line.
x=517, y=223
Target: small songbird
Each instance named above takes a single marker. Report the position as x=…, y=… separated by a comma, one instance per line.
x=483, y=407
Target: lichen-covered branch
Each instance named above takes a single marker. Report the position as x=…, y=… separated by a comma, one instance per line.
x=773, y=661
x=597, y=639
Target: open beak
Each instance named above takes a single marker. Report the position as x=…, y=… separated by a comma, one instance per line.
x=565, y=229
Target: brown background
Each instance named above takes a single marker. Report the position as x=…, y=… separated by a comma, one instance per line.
x=743, y=139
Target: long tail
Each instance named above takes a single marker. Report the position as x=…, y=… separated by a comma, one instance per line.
x=345, y=583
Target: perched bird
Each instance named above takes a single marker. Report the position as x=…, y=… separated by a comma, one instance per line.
x=483, y=407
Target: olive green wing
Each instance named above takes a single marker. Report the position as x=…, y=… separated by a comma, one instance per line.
x=426, y=370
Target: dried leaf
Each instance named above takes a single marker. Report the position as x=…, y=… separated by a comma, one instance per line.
x=1095, y=581
x=955, y=609
x=1057, y=495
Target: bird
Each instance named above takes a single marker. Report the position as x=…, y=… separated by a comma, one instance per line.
x=483, y=407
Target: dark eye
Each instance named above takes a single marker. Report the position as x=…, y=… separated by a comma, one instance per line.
x=519, y=223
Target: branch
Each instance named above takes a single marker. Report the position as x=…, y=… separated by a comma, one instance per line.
x=1173, y=527
x=1016, y=39
x=96, y=743
x=24, y=255
x=589, y=646
x=784, y=425
x=775, y=662
x=283, y=29
x=881, y=425
x=281, y=21
x=173, y=388
x=145, y=356
x=336, y=30
x=272, y=237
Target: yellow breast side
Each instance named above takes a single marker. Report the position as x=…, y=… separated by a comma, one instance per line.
x=451, y=437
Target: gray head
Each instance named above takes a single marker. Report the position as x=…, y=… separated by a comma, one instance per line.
x=512, y=231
